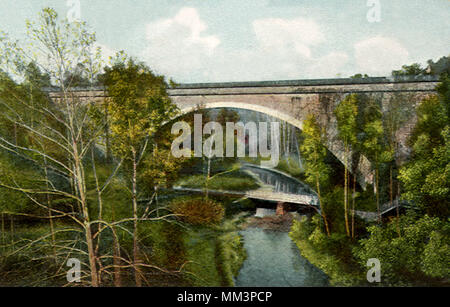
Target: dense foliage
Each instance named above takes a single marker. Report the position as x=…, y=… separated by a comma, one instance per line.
x=420, y=256
x=426, y=177
x=413, y=249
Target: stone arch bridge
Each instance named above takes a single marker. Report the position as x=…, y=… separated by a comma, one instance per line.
x=293, y=100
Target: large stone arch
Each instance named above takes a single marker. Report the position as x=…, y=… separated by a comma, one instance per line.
x=245, y=106
x=363, y=173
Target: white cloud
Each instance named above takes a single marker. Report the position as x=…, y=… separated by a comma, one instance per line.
x=286, y=49
x=282, y=35
x=177, y=45
x=380, y=55
x=283, y=49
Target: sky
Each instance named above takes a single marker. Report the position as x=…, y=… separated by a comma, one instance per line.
x=195, y=41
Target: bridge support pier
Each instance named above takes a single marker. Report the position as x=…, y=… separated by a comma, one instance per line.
x=281, y=208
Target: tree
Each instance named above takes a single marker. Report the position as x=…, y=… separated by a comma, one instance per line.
x=372, y=143
x=426, y=177
x=314, y=152
x=398, y=112
x=199, y=211
x=56, y=143
x=410, y=70
x=440, y=68
x=77, y=78
x=227, y=116
x=35, y=77
x=59, y=140
x=139, y=105
x=346, y=113
x=360, y=76
x=420, y=254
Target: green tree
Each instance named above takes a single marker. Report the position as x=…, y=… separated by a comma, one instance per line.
x=346, y=115
x=372, y=144
x=77, y=78
x=314, y=152
x=436, y=254
x=227, y=116
x=410, y=70
x=398, y=112
x=360, y=76
x=35, y=77
x=441, y=67
x=426, y=177
x=139, y=105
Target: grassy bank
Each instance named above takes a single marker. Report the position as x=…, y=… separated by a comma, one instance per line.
x=331, y=255
x=28, y=256
x=234, y=181
x=208, y=256
x=417, y=256
x=215, y=255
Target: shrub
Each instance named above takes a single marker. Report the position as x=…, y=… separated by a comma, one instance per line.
x=436, y=256
x=198, y=211
x=419, y=257
x=291, y=167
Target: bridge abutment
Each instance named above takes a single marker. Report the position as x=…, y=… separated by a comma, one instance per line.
x=281, y=209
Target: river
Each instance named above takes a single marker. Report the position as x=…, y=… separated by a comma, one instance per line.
x=273, y=260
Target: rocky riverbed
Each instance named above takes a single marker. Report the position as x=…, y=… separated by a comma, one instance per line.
x=280, y=223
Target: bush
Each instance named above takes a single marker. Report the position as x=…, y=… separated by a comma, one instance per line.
x=302, y=229
x=419, y=257
x=198, y=211
x=436, y=256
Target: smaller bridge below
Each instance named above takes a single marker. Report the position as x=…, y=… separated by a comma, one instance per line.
x=385, y=209
x=260, y=194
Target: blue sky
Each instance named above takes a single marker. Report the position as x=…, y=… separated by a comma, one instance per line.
x=251, y=40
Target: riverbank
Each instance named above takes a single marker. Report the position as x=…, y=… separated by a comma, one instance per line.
x=214, y=258
x=342, y=270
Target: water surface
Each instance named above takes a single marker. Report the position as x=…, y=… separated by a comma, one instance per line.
x=273, y=260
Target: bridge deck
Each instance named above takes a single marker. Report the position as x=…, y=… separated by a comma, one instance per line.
x=305, y=200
